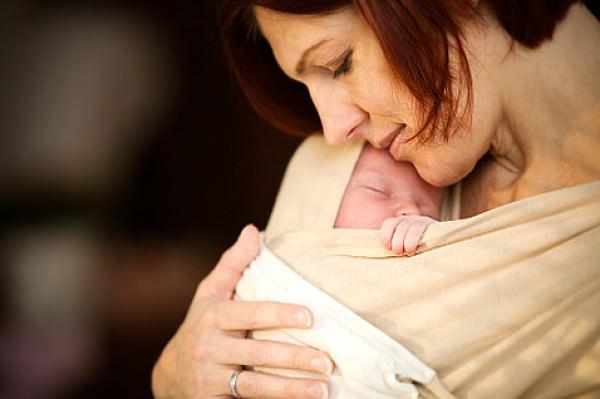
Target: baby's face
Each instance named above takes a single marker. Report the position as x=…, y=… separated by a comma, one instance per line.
x=381, y=188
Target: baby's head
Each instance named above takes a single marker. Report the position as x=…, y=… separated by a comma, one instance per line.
x=381, y=187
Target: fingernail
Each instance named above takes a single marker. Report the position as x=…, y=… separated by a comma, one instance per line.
x=303, y=318
x=322, y=365
x=318, y=391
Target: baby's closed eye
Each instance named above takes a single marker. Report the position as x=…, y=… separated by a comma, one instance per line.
x=376, y=190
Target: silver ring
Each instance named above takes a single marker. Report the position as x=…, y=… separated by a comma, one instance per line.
x=233, y=383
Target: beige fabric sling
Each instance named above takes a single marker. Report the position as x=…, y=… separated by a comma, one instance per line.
x=501, y=305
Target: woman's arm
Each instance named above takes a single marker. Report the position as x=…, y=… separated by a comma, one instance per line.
x=210, y=343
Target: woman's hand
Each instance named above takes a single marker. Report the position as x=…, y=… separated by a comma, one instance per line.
x=210, y=343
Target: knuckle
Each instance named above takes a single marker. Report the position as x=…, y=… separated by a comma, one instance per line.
x=224, y=257
x=200, y=352
x=248, y=387
x=213, y=382
x=203, y=349
x=208, y=318
x=284, y=315
x=396, y=241
x=299, y=360
x=229, y=256
x=290, y=389
x=206, y=382
x=252, y=316
x=244, y=253
x=294, y=389
x=397, y=236
x=228, y=253
x=219, y=315
x=388, y=224
x=257, y=355
x=238, y=252
x=201, y=380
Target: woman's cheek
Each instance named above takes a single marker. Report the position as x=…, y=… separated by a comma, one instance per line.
x=376, y=96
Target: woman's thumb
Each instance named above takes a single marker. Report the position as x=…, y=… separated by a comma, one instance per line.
x=222, y=280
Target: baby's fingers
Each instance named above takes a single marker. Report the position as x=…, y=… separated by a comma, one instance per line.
x=400, y=234
x=413, y=237
x=386, y=232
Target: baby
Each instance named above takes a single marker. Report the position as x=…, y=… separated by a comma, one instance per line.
x=390, y=196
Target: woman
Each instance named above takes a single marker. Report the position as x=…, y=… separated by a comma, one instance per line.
x=502, y=96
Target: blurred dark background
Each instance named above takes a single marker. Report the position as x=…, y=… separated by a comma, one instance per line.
x=128, y=163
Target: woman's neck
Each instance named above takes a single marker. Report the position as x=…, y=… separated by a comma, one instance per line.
x=549, y=108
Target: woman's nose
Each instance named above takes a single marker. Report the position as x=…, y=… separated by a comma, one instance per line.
x=341, y=119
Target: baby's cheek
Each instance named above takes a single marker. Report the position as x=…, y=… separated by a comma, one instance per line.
x=354, y=215
x=343, y=218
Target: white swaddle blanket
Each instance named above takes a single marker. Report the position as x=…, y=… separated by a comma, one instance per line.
x=369, y=364
x=505, y=304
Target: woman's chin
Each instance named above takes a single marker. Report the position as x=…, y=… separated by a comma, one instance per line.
x=439, y=178
x=444, y=174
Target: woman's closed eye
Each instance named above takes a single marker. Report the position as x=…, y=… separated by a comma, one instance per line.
x=345, y=66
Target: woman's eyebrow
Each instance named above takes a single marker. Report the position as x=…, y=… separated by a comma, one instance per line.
x=300, y=65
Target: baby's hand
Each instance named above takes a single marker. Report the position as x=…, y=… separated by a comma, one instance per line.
x=403, y=234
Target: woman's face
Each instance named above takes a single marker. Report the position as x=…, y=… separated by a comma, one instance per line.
x=339, y=59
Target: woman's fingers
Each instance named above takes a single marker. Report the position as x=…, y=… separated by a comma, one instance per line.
x=222, y=280
x=274, y=355
x=251, y=384
x=191, y=365
x=243, y=315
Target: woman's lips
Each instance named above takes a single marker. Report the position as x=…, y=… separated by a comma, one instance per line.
x=354, y=133
x=396, y=144
x=388, y=139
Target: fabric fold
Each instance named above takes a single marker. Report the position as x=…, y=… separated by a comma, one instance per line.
x=369, y=364
x=504, y=304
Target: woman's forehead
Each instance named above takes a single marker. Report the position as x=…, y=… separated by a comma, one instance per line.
x=269, y=20
x=290, y=35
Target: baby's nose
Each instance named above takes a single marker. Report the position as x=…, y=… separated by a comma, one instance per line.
x=409, y=208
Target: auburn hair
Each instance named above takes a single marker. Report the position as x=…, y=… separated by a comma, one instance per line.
x=429, y=30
